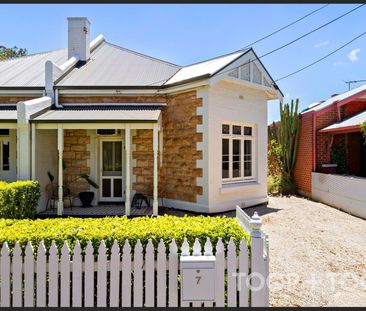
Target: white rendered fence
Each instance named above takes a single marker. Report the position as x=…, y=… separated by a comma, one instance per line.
x=130, y=277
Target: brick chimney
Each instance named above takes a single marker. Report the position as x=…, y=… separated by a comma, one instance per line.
x=78, y=38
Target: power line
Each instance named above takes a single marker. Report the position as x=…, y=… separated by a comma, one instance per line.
x=320, y=59
x=285, y=27
x=312, y=31
x=282, y=46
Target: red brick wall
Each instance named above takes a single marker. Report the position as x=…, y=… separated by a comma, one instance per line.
x=322, y=139
x=304, y=159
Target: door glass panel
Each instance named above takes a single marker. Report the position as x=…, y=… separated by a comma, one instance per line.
x=117, y=187
x=106, y=188
x=107, y=157
x=118, y=157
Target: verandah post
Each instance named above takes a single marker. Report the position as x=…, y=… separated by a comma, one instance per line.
x=128, y=180
x=60, y=148
x=155, y=149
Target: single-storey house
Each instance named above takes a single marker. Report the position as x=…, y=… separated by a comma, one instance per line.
x=194, y=135
x=331, y=159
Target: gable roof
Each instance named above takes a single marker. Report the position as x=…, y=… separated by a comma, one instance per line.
x=28, y=71
x=336, y=99
x=205, y=68
x=111, y=65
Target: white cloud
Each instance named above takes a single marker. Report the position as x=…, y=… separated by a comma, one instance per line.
x=353, y=55
x=321, y=44
x=287, y=95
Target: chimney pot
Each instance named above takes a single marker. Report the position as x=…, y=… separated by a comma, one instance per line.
x=79, y=38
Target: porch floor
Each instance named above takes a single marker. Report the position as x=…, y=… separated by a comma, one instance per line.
x=101, y=210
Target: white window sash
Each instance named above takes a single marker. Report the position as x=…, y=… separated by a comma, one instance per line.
x=241, y=138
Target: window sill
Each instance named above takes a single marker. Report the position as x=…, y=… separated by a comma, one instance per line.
x=250, y=185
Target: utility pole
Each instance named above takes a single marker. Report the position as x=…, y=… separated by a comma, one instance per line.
x=355, y=81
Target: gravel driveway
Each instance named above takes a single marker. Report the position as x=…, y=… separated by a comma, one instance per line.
x=317, y=253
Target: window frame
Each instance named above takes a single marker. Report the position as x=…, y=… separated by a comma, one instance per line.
x=242, y=138
x=3, y=139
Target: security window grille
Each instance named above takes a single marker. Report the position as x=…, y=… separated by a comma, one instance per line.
x=237, y=152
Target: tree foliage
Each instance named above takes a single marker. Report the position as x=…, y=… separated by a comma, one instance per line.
x=9, y=53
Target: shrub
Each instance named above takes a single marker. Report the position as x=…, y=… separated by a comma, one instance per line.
x=120, y=228
x=19, y=199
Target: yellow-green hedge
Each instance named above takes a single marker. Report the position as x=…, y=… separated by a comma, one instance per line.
x=120, y=228
x=19, y=200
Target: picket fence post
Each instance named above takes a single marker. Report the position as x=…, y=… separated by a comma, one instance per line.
x=17, y=274
x=259, y=291
x=173, y=274
x=5, y=276
x=115, y=275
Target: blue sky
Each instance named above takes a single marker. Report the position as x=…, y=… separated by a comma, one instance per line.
x=188, y=33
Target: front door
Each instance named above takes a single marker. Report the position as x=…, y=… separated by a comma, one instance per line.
x=111, y=170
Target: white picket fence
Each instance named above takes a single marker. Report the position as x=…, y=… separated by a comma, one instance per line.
x=142, y=277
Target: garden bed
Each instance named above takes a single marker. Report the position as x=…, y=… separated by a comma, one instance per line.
x=120, y=229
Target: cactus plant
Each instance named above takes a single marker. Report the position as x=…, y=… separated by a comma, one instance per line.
x=286, y=136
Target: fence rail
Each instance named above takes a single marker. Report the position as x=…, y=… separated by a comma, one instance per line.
x=125, y=277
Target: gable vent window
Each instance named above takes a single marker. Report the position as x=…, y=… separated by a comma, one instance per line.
x=234, y=73
x=257, y=74
x=238, y=158
x=106, y=132
x=266, y=83
x=245, y=72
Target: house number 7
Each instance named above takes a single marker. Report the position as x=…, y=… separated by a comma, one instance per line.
x=198, y=279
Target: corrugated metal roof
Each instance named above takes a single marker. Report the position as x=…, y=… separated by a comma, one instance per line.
x=93, y=114
x=337, y=98
x=28, y=71
x=111, y=65
x=208, y=67
x=348, y=123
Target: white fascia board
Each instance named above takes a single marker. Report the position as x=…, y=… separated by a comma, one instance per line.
x=26, y=109
x=111, y=104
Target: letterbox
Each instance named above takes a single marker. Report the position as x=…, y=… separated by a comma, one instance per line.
x=198, y=278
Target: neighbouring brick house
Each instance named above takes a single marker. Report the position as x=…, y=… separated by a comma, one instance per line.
x=331, y=158
x=195, y=136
